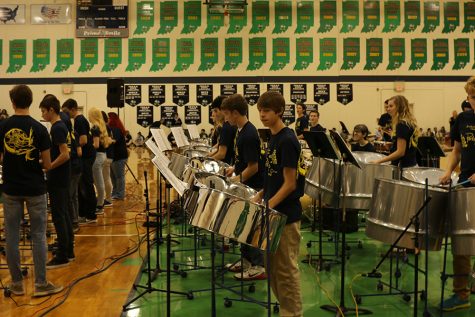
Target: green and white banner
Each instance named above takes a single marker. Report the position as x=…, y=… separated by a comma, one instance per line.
x=160, y=54
x=209, y=53
x=41, y=55
x=17, y=55
x=351, y=53
x=374, y=53
x=451, y=16
x=351, y=16
x=112, y=54
x=397, y=53
x=192, y=16
x=185, y=54
x=280, y=53
x=327, y=16
x=283, y=16
x=371, y=14
x=412, y=15
x=145, y=17
x=392, y=15
x=418, y=53
x=89, y=54
x=469, y=17
x=257, y=53
x=305, y=17
x=168, y=16
x=431, y=16
x=64, y=54
x=232, y=53
x=237, y=21
x=214, y=23
x=137, y=54
x=461, y=53
x=304, y=49
x=327, y=53
x=260, y=16
x=440, y=53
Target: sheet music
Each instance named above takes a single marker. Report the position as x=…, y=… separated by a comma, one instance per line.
x=180, y=137
x=154, y=148
x=176, y=183
x=193, y=130
x=161, y=140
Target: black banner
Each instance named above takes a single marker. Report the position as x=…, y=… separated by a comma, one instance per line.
x=181, y=94
x=289, y=114
x=321, y=93
x=144, y=116
x=133, y=95
x=344, y=93
x=228, y=89
x=311, y=107
x=276, y=87
x=156, y=94
x=167, y=115
x=252, y=93
x=204, y=94
x=193, y=114
x=298, y=93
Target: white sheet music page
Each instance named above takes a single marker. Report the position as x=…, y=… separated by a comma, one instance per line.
x=154, y=148
x=193, y=130
x=180, y=137
x=161, y=140
x=176, y=183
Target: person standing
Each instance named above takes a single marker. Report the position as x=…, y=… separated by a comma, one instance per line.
x=106, y=170
x=226, y=136
x=120, y=157
x=360, y=134
x=301, y=124
x=24, y=148
x=314, y=125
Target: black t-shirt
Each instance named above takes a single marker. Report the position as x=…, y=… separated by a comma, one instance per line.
x=110, y=149
x=368, y=147
x=318, y=128
x=284, y=151
x=72, y=138
x=59, y=177
x=247, y=148
x=226, y=137
x=463, y=131
x=22, y=139
x=405, y=132
x=301, y=124
x=96, y=133
x=120, y=146
x=82, y=127
x=215, y=135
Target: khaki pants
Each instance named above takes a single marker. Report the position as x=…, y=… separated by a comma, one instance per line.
x=284, y=272
x=462, y=270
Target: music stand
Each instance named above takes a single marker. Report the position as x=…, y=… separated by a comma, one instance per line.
x=429, y=148
x=344, y=129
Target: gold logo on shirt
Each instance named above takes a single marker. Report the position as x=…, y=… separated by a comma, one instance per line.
x=17, y=142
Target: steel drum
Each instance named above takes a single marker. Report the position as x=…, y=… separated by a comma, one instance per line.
x=419, y=175
x=395, y=202
x=177, y=164
x=462, y=221
x=234, y=218
x=220, y=183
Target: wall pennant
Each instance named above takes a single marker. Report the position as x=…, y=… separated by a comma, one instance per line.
x=233, y=53
x=372, y=16
x=185, y=54
x=280, y=53
x=327, y=53
x=17, y=55
x=412, y=15
x=283, y=16
x=145, y=16
x=209, y=53
x=397, y=53
x=41, y=55
x=89, y=54
x=374, y=53
x=304, y=51
x=137, y=54
x=461, y=53
x=351, y=53
x=160, y=54
x=440, y=53
x=168, y=16
x=237, y=21
x=64, y=54
x=327, y=16
x=418, y=53
x=257, y=53
x=392, y=15
x=192, y=16
x=451, y=16
x=469, y=17
x=305, y=16
x=260, y=16
x=112, y=54
x=351, y=16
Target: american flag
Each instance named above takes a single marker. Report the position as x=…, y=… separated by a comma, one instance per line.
x=50, y=12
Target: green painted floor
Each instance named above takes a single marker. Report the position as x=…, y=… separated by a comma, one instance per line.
x=318, y=288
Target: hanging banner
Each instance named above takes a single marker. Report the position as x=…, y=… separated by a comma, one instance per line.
x=185, y=54
x=321, y=93
x=371, y=14
x=209, y=53
x=133, y=95
x=17, y=55
x=145, y=17
x=327, y=16
x=228, y=89
x=344, y=93
x=137, y=54
x=351, y=52
x=237, y=21
x=298, y=93
x=304, y=49
x=12, y=14
x=168, y=16
x=280, y=53
x=461, y=53
x=260, y=16
x=440, y=53
x=204, y=94
x=64, y=54
x=89, y=54
x=305, y=16
x=232, y=53
x=327, y=53
x=181, y=94
x=156, y=94
x=418, y=53
x=311, y=107
x=257, y=53
x=252, y=92
x=469, y=17
x=374, y=53
x=214, y=23
x=451, y=16
x=351, y=16
x=112, y=54
x=412, y=15
x=283, y=16
x=41, y=55
x=288, y=117
x=160, y=54
x=193, y=114
x=276, y=87
x=144, y=116
x=431, y=16
x=50, y=13
x=167, y=115
x=191, y=16
x=397, y=53
x=392, y=15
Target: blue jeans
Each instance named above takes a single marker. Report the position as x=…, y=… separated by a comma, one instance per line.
x=118, y=178
x=99, y=178
x=13, y=210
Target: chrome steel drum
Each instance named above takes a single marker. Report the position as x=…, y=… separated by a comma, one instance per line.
x=234, y=218
x=221, y=183
x=462, y=221
x=395, y=202
x=192, y=153
x=329, y=177
x=419, y=175
x=209, y=165
x=177, y=164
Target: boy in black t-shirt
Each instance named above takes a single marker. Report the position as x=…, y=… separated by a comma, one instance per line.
x=360, y=143
x=23, y=143
x=58, y=181
x=301, y=124
x=284, y=182
x=249, y=170
x=226, y=136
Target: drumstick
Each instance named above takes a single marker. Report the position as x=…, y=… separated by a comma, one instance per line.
x=462, y=183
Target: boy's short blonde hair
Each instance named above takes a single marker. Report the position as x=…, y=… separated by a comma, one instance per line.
x=470, y=85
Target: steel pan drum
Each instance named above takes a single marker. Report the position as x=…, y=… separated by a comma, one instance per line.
x=177, y=164
x=395, y=202
x=234, y=218
x=419, y=175
x=220, y=183
x=462, y=221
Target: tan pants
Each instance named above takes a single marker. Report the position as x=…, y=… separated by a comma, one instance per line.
x=462, y=270
x=284, y=272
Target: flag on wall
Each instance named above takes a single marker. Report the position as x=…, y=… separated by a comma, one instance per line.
x=440, y=53
x=191, y=16
x=185, y=54
x=397, y=53
x=168, y=16
x=214, y=23
x=431, y=16
x=137, y=54
x=64, y=54
x=418, y=53
x=160, y=54
x=451, y=16
x=257, y=53
x=469, y=17
x=374, y=53
x=280, y=53
x=237, y=21
x=305, y=17
x=412, y=15
x=260, y=16
x=327, y=53
x=351, y=16
x=209, y=53
x=112, y=54
x=461, y=53
x=351, y=52
x=283, y=16
x=371, y=15
x=41, y=55
x=392, y=15
x=233, y=53
x=145, y=17
x=304, y=53
x=327, y=16
x=17, y=55
x=50, y=13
